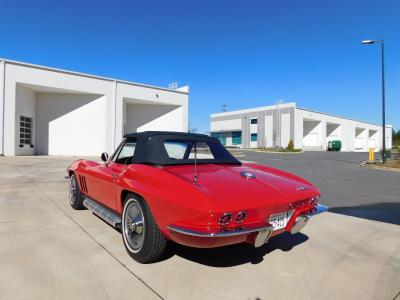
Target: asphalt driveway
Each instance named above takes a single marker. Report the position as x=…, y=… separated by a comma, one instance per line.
x=346, y=187
x=49, y=251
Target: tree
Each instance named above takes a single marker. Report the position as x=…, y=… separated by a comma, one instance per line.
x=396, y=138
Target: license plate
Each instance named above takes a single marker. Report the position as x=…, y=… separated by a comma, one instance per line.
x=279, y=221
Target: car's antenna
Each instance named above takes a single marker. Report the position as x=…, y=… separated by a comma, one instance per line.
x=195, y=177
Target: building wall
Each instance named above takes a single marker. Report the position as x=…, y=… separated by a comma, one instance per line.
x=266, y=136
x=269, y=131
x=285, y=122
x=129, y=94
x=227, y=125
x=141, y=117
x=36, y=79
x=2, y=83
x=63, y=102
x=24, y=106
x=346, y=131
x=70, y=124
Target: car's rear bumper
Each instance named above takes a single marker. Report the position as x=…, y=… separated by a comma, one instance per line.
x=208, y=239
x=301, y=219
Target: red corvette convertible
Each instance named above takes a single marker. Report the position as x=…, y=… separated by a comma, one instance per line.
x=187, y=188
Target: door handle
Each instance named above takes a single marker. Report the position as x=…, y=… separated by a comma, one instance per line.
x=114, y=175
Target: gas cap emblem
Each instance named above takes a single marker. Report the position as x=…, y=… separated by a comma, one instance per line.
x=301, y=188
x=247, y=175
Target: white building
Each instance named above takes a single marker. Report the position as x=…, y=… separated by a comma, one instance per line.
x=275, y=125
x=49, y=111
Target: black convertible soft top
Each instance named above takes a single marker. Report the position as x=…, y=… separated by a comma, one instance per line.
x=150, y=148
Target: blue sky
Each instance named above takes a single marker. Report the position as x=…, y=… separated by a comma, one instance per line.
x=240, y=53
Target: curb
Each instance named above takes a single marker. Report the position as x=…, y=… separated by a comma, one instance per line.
x=364, y=164
x=278, y=152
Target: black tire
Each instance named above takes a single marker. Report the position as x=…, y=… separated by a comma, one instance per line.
x=75, y=196
x=142, y=239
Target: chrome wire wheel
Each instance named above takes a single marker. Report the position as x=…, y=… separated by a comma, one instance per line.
x=133, y=225
x=73, y=190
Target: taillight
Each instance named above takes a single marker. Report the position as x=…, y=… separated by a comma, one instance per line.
x=240, y=216
x=314, y=200
x=225, y=219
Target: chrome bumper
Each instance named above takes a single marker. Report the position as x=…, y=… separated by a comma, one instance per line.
x=218, y=234
x=302, y=220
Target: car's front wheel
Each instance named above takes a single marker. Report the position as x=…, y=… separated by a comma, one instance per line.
x=142, y=238
x=75, y=196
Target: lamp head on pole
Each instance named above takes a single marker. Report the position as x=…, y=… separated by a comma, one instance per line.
x=368, y=42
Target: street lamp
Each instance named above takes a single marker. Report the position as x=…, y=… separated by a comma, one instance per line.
x=369, y=42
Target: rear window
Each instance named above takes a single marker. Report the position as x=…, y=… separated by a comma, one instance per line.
x=176, y=149
x=181, y=149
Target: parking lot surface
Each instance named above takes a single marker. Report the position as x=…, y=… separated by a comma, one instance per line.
x=346, y=187
x=49, y=251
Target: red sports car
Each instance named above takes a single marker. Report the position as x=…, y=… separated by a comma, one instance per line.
x=187, y=188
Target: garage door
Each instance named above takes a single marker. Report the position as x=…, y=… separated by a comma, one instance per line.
x=371, y=143
x=359, y=144
x=311, y=140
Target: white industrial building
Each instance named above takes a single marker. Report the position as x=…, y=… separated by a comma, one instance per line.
x=49, y=111
x=275, y=125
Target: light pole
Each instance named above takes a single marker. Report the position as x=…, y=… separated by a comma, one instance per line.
x=369, y=42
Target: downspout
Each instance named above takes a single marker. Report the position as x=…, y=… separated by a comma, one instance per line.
x=2, y=102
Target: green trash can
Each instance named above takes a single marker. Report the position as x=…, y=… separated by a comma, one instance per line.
x=335, y=145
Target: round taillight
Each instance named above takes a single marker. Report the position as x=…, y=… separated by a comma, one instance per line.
x=314, y=200
x=240, y=216
x=225, y=219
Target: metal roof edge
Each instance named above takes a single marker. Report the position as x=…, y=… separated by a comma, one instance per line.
x=15, y=62
x=260, y=108
x=331, y=115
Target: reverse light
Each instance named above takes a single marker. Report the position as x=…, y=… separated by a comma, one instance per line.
x=225, y=219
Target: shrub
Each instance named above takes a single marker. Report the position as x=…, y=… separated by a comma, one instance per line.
x=290, y=146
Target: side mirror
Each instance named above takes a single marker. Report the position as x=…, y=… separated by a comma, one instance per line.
x=104, y=156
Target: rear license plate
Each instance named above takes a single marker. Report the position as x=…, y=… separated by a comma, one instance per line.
x=279, y=221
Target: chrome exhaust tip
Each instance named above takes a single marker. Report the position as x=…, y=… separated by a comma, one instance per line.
x=300, y=222
x=262, y=237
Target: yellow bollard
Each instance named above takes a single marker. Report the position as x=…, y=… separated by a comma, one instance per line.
x=371, y=154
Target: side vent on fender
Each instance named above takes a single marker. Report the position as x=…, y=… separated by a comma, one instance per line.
x=82, y=181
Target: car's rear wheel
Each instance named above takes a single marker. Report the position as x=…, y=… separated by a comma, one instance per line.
x=142, y=238
x=75, y=196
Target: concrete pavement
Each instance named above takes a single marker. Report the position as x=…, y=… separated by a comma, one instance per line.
x=48, y=250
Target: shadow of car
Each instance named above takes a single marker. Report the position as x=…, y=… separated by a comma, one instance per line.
x=235, y=255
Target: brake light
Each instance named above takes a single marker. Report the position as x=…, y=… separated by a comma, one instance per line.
x=240, y=216
x=225, y=219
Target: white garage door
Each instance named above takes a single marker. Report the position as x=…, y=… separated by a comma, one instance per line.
x=311, y=139
x=371, y=143
x=359, y=144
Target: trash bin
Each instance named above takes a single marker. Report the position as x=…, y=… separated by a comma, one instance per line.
x=335, y=145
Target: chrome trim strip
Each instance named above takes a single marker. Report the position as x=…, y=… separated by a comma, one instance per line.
x=217, y=234
x=107, y=215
